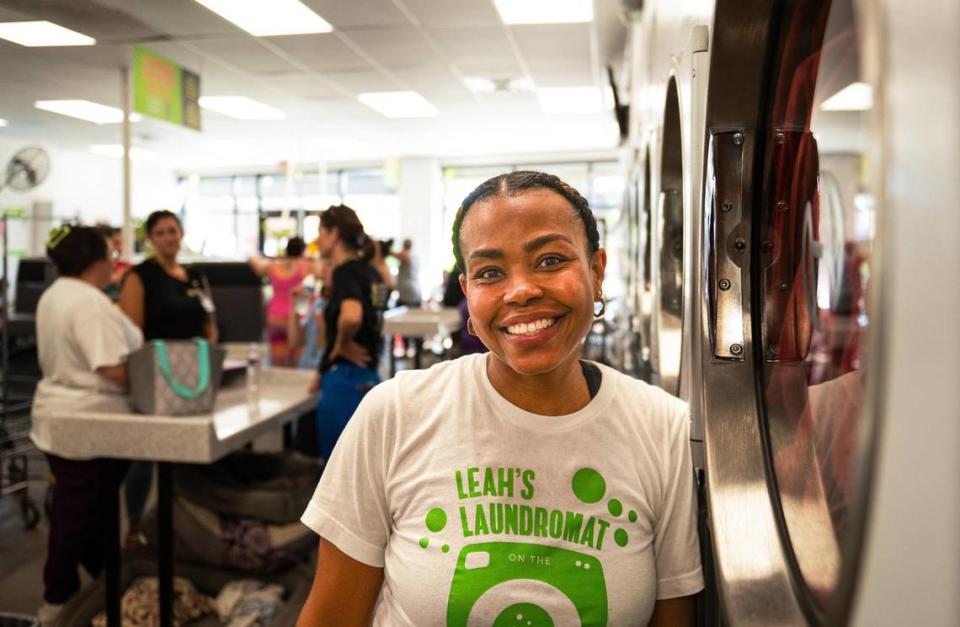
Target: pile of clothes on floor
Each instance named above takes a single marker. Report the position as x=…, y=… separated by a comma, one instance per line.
x=243, y=603
x=242, y=557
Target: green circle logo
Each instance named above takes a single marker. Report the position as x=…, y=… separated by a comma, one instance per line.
x=588, y=485
x=436, y=519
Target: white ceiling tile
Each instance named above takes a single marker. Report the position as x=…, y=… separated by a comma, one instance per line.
x=359, y=14
x=304, y=86
x=475, y=45
x=553, y=43
x=244, y=53
x=454, y=13
x=395, y=48
x=325, y=52
x=563, y=75
x=362, y=81
x=178, y=18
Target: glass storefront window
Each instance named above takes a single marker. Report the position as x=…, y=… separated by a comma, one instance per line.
x=223, y=214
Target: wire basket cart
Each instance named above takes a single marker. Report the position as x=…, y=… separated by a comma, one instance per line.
x=15, y=445
x=15, y=451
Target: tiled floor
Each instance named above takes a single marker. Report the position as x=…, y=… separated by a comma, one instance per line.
x=22, y=552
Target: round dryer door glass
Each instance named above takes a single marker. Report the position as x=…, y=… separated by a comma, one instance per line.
x=816, y=247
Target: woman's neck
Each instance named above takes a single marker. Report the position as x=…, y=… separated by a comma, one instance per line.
x=166, y=262
x=558, y=392
x=341, y=254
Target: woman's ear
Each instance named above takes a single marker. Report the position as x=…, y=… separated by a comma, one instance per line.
x=598, y=265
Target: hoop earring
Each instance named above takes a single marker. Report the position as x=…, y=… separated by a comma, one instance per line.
x=470, y=328
x=599, y=305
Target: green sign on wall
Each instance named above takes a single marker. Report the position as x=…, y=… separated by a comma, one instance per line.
x=164, y=90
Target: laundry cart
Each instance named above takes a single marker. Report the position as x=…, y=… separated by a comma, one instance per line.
x=15, y=451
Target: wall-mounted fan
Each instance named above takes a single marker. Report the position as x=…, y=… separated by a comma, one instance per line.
x=26, y=169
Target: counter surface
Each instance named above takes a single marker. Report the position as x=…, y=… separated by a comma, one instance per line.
x=421, y=322
x=188, y=439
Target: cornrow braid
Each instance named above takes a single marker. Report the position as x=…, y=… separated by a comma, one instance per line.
x=513, y=184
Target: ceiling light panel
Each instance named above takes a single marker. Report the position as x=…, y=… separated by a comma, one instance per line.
x=3, y=122
x=42, y=33
x=571, y=100
x=399, y=104
x=268, y=19
x=545, y=11
x=482, y=85
x=853, y=97
x=85, y=110
x=241, y=108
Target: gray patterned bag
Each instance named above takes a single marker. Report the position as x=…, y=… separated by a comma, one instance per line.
x=175, y=378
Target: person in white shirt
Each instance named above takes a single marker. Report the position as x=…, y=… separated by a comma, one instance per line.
x=82, y=344
x=521, y=487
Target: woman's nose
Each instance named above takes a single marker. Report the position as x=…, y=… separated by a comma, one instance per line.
x=522, y=288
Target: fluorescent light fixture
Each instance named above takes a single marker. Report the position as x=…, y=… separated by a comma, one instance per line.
x=42, y=33
x=571, y=100
x=399, y=104
x=853, y=97
x=115, y=151
x=482, y=85
x=3, y=122
x=241, y=108
x=86, y=110
x=545, y=11
x=267, y=19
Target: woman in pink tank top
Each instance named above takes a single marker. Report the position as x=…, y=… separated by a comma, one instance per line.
x=285, y=274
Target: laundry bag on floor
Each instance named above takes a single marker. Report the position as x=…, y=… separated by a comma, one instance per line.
x=175, y=377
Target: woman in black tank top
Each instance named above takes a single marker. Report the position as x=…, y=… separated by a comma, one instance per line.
x=165, y=299
x=169, y=302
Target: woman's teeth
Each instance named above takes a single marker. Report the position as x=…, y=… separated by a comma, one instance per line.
x=529, y=328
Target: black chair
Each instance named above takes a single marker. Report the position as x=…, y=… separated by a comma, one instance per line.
x=238, y=297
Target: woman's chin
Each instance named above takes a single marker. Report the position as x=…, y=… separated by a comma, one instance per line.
x=531, y=365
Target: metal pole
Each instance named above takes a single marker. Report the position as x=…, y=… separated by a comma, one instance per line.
x=127, y=221
x=165, y=566
x=5, y=320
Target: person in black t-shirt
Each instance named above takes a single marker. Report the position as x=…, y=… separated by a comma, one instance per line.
x=168, y=302
x=353, y=318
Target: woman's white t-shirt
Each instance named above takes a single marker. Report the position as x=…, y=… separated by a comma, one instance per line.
x=78, y=331
x=481, y=512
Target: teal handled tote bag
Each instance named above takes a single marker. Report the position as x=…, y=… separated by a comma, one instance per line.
x=174, y=377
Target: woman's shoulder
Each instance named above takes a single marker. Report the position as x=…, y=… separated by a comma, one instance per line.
x=147, y=269
x=440, y=376
x=648, y=401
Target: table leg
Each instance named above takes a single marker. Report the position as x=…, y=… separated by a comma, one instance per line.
x=165, y=541
x=417, y=349
x=111, y=563
x=393, y=356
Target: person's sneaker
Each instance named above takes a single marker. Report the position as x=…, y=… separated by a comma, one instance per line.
x=49, y=614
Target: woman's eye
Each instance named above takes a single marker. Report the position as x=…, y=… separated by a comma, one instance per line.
x=487, y=274
x=550, y=260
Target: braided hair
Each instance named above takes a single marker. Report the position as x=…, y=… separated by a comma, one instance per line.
x=515, y=183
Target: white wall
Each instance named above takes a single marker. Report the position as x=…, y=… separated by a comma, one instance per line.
x=89, y=187
x=421, y=218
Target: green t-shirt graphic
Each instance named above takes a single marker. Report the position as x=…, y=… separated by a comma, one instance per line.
x=483, y=514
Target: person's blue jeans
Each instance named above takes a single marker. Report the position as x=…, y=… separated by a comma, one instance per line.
x=341, y=389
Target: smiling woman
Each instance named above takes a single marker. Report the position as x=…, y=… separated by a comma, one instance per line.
x=586, y=509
